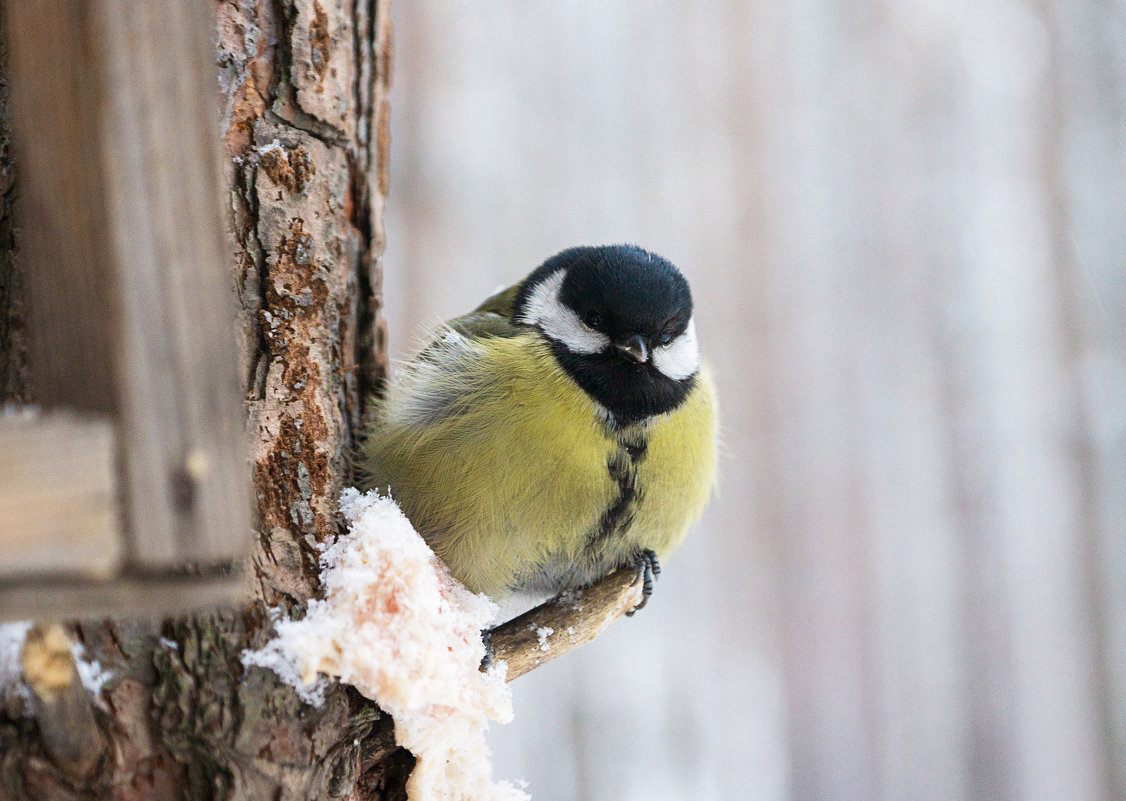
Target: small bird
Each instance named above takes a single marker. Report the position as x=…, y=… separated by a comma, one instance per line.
x=563, y=429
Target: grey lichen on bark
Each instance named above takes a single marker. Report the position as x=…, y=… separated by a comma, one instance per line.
x=303, y=115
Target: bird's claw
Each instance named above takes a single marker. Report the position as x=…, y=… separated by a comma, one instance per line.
x=648, y=570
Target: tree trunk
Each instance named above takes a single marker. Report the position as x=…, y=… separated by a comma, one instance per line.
x=304, y=121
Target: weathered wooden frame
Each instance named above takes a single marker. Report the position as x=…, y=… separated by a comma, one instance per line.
x=132, y=317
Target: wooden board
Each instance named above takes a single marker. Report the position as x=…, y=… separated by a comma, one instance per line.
x=58, y=497
x=129, y=290
x=125, y=596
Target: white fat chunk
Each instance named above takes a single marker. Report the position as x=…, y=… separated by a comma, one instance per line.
x=398, y=628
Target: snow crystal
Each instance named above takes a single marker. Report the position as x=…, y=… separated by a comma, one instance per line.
x=92, y=674
x=542, y=633
x=396, y=626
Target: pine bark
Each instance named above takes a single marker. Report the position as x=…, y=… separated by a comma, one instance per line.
x=304, y=120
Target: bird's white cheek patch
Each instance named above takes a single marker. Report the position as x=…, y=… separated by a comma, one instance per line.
x=545, y=310
x=680, y=358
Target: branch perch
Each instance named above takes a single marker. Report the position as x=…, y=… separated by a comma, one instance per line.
x=63, y=707
x=562, y=624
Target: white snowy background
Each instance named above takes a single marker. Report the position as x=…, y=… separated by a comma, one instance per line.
x=905, y=225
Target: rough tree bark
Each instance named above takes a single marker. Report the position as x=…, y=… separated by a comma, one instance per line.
x=304, y=120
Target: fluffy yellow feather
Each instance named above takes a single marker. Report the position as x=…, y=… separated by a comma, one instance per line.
x=516, y=475
x=510, y=473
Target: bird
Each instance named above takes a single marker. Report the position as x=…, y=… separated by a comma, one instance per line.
x=563, y=429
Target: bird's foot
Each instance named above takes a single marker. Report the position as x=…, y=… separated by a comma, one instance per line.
x=648, y=570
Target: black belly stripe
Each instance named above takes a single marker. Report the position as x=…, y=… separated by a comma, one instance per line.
x=636, y=446
x=622, y=466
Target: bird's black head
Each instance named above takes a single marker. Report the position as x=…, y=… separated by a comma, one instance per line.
x=619, y=320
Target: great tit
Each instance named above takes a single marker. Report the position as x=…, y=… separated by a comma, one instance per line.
x=564, y=428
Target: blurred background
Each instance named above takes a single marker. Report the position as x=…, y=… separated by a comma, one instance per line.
x=905, y=227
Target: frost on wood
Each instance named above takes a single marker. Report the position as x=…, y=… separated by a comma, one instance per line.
x=542, y=633
x=396, y=626
x=90, y=671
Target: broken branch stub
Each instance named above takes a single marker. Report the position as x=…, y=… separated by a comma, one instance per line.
x=63, y=707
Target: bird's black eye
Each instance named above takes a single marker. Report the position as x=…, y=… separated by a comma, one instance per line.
x=593, y=319
x=665, y=338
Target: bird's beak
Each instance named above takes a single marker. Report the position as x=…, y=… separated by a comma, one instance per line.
x=635, y=348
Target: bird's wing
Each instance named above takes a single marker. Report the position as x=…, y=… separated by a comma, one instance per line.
x=490, y=450
x=493, y=318
x=435, y=383
x=501, y=303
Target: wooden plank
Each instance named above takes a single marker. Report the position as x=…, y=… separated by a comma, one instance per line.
x=138, y=596
x=56, y=99
x=129, y=291
x=58, y=497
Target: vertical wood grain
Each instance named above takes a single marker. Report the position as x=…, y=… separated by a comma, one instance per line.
x=115, y=110
x=58, y=497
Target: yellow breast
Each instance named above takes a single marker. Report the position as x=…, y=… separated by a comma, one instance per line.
x=504, y=467
x=679, y=471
